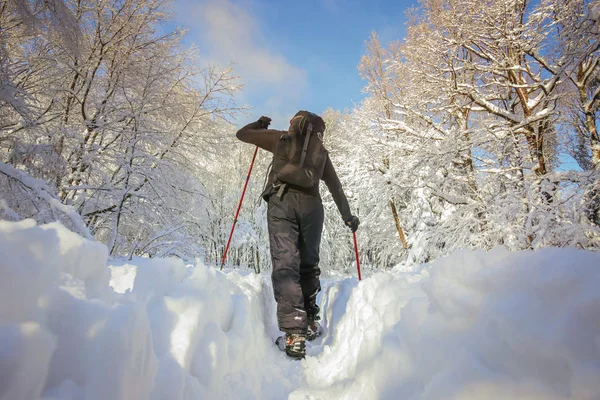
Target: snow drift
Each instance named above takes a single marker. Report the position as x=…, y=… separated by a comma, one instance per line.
x=177, y=332
x=484, y=325
x=475, y=325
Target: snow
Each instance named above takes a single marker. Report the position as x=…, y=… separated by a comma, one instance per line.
x=41, y=190
x=473, y=325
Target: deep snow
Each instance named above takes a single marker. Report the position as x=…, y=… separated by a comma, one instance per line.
x=475, y=325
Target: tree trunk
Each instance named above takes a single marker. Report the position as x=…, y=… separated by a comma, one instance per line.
x=257, y=265
x=398, y=226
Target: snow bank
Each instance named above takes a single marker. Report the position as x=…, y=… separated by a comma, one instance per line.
x=474, y=325
x=168, y=331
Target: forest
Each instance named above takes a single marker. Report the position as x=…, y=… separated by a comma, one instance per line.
x=478, y=129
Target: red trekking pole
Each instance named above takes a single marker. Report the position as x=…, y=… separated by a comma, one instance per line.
x=237, y=213
x=356, y=252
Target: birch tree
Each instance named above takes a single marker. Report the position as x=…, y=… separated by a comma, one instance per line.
x=470, y=103
x=116, y=124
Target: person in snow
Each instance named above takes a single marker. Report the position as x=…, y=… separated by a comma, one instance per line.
x=295, y=220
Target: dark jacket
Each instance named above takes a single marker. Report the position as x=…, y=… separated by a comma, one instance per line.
x=267, y=139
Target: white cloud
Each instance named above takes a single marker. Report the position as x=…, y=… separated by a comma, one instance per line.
x=227, y=32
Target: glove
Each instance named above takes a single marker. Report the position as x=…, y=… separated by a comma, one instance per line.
x=353, y=223
x=264, y=122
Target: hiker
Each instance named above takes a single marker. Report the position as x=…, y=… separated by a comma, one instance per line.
x=295, y=220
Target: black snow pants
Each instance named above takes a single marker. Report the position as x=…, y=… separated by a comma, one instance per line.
x=295, y=225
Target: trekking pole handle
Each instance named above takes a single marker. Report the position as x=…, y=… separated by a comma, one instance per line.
x=237, y=213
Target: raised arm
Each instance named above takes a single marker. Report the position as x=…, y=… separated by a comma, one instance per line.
x=258, y=134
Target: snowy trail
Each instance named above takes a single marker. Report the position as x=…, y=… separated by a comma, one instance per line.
x=475, y=325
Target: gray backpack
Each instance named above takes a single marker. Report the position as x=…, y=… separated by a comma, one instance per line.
x=299, y=157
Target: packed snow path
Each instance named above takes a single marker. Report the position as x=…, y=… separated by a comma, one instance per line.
x=474, y=325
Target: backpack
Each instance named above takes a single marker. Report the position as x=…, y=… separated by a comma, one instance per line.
x=299, y=157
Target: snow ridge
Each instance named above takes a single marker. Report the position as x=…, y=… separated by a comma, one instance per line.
x=481, y=325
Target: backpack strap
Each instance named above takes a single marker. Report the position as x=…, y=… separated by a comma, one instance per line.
x=305, y=147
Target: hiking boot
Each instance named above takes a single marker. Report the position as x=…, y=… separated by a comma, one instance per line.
x=294, y=344
x=314, y=330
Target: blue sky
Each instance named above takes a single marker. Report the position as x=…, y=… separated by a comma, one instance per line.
x=291, y=55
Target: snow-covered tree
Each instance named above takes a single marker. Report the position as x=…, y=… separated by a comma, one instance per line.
x=469, y=107
x=118, y=124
